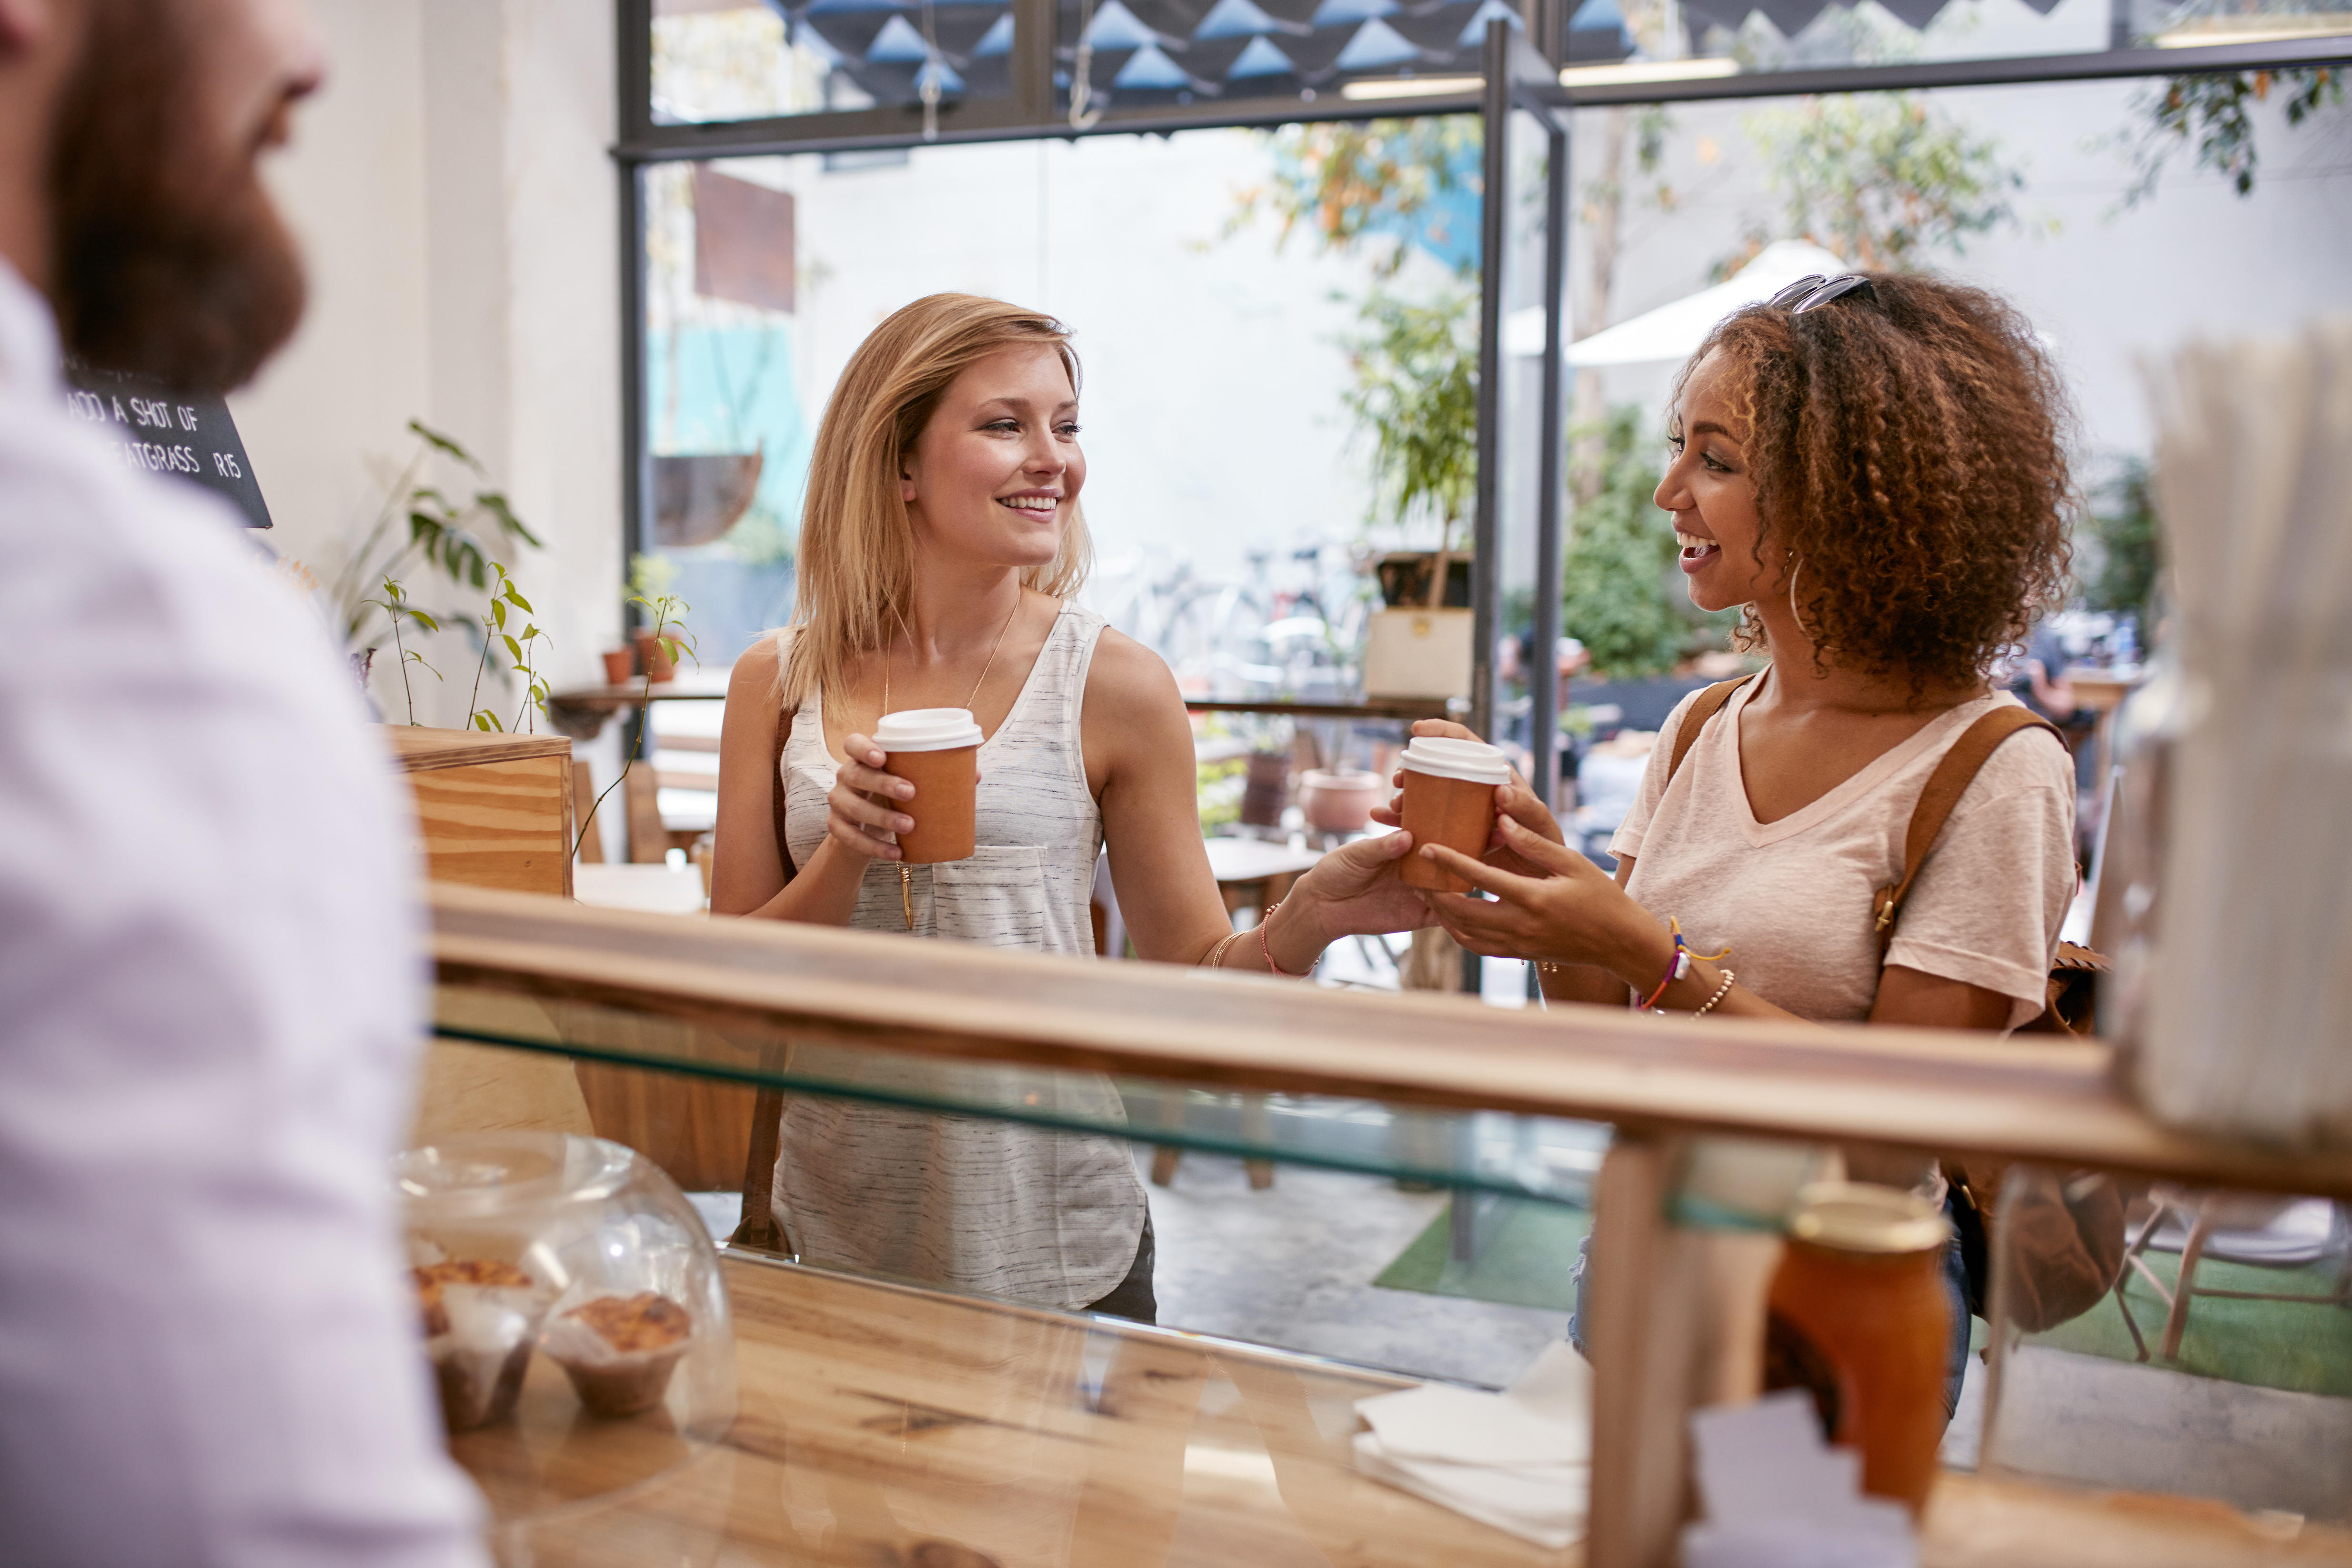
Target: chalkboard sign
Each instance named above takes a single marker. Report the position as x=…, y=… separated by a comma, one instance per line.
x=148, y=427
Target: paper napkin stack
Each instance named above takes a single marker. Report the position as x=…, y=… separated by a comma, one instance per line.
x=1520, y=1460
x=1777, y=1497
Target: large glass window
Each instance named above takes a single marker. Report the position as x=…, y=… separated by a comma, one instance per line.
x=1223, y=336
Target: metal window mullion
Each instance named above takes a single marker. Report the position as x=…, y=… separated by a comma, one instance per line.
x=1494, y=208
x=1543, y=665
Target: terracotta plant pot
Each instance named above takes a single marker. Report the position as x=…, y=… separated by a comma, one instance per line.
x=652, y=656
x=620, y=666
x=1268, y=790
x=1339, y=802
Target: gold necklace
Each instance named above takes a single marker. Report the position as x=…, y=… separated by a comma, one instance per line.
x=906, y=873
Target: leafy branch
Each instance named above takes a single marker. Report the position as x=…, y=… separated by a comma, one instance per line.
x=1376, y=179
x=502, y=593
x=455, y=538
x=648, y=577
x=1416, y=393
x=1879, y=178
x=2216, y=112
x=395, y=606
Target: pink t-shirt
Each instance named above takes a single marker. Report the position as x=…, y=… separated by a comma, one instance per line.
x=1792, y=898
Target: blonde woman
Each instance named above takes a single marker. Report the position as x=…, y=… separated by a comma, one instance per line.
x=941, y=546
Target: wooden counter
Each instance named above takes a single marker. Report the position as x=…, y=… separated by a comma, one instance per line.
x=2037, y=1098
x=886, y=1425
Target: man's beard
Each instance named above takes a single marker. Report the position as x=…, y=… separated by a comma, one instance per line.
x=168, y=258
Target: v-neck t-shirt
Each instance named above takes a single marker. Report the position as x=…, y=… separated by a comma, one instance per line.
x=1792, y=898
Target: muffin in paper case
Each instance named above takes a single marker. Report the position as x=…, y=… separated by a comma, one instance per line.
x=620, y=1350
x=481, y=1319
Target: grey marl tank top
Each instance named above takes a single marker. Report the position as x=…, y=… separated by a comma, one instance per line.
x=1030, y=1215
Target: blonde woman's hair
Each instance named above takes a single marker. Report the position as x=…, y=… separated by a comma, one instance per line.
x=858, y=545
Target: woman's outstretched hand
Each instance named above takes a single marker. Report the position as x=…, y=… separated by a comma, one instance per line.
x=1355, y=890
x=1568, y=911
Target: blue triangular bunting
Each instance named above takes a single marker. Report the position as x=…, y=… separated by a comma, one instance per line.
x=997, y=40
x=1375, y=46
x=1488, y=10
x=1234, y=19
x=1594, y=15
x=896, y=41
x=1115, y=27
x=1347, y=13
x=1149, y=68
x=1261, y=58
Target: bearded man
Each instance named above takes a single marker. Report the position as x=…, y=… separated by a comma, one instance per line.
x=209, y=993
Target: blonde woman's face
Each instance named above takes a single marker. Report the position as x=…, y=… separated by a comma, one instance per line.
x=997, y=471
x=1711, y=491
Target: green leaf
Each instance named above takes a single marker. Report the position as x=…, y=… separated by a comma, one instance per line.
x=513, y=648
x=430, y=624
x=495, y=503
x=516, y=599
x=433, y=438
x=498, y=613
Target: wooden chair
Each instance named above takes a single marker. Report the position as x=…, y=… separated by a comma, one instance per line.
x=2204, y=1213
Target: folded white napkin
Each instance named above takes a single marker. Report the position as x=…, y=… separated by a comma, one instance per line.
x=1777, y=1497
x=1520, y=1460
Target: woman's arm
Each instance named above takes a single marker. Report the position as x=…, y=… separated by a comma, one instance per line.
x=747, y=872
x=1140, y=765
x=1576, y=915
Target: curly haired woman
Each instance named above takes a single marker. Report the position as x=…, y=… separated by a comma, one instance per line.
x=1878, y=478
x=1872, y=468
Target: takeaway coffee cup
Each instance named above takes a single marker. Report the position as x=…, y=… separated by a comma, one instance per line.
x=936, y=750
x=1449, y=799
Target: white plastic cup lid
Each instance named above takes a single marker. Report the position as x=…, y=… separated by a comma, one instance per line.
x=927, y=730
x=1474, y=761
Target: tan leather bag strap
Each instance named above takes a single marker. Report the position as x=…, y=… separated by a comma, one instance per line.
x=1704, y=707
x=1941, y=793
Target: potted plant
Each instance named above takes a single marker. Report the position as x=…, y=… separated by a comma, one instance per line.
x=1416, y=395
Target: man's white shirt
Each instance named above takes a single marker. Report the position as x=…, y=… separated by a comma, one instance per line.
x=210, y=990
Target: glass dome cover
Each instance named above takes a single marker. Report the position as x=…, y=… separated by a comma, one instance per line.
x=573, y=1309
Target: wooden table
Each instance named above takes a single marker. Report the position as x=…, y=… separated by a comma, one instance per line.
x=886, y=1425
x=582, y=711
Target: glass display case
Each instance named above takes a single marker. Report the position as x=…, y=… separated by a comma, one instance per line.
x=901, y=1414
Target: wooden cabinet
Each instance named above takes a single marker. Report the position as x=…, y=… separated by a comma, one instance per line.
x=492, y=811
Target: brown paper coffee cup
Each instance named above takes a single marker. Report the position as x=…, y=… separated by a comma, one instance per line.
x=946, y=785
x=1456, y=813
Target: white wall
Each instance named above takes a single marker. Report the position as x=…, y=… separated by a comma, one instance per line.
x=455, y=197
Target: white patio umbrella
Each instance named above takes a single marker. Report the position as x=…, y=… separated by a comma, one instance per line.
x=1672, y=330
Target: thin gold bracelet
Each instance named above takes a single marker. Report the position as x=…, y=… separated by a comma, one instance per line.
x=1720, y=993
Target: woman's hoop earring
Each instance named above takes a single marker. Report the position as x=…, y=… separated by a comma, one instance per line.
x=1795, y=613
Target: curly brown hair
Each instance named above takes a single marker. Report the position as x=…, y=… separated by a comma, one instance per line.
x=1909, y=451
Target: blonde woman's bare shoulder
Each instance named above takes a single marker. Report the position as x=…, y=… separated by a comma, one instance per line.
x=758, y=667
x=1124, y=670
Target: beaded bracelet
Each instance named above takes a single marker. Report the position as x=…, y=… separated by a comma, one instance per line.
x=1720, y=993
x=1266, y=953
x=1679, y=966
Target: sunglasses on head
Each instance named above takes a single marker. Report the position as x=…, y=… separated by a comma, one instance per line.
x=1807, y=292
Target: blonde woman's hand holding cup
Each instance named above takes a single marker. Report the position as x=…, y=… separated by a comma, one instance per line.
x=863, y=806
